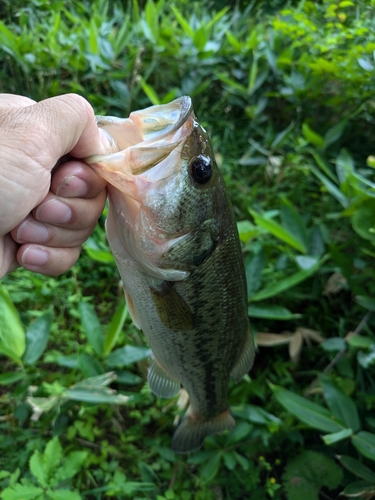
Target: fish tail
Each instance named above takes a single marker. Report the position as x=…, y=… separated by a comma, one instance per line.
x=190, y=434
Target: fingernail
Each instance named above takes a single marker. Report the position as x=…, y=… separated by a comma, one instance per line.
x=72, y=187
x=32, y=231
x=53, y=211
x=34, y=256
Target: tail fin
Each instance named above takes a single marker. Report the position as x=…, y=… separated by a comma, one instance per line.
x=190, y=434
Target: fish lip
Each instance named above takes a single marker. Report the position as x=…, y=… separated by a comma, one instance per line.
x=150, y=115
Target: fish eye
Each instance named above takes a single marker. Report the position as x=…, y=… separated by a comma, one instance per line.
x=201, y=169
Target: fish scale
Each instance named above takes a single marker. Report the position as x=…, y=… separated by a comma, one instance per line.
x=174, y=237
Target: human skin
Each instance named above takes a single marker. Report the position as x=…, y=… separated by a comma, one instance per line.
x=46, y=213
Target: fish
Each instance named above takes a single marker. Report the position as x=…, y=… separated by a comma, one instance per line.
x=173, y=234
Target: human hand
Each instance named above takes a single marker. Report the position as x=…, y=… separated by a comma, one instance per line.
x=45, y=216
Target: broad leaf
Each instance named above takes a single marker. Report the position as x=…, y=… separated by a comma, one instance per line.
x=115, y=327
x=308, y=412
x=341, y=405
x=21, y=492
x=37, y=468
x=357, y=468
x=337, y=436
x=12, y=333
x=271, y=312
x=92, y=327
x=359, y=489
x=52, y=456
x=37, y=338
x=274, y=289
x=365, y=443
x=63, y=495
x=127, y=355
x=277, y=230
x=293, y=223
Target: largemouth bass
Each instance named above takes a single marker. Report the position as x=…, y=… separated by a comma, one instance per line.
x=172, y=232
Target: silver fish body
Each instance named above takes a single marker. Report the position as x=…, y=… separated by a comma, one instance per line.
x=172, y=232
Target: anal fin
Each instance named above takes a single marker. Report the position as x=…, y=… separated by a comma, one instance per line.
x=160, y=382
x=245, y=359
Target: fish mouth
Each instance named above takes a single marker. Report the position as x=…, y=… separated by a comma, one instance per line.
x=146, y=147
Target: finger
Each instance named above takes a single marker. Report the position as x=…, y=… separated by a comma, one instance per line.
x=47, y=260
x=70, y=213
x=15, y=101
x=76, y=179
x=8, y=249
x=32, y=231
x=62, y=124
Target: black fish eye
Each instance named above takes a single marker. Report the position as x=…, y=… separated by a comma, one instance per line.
x=201, y=169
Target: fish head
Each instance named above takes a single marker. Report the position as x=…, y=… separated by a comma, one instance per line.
x=162, y=175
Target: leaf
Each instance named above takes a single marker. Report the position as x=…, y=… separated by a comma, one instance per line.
x=277, y=230
x=129, y=378
x=52, y=456
x=366, y=302
x=115, y=327
x=356, y=467
x=200, y=38
x=293, y=223
x=94, y=390
x=38, y=469
x=255, y=414
x=254, y=266
x=313, y=138
x=359, y=489
x=310, y=413
x=183, y=22
x=363, y=220
x=37, y=338
x=96, y=396
x=334, y=344
x=341, y=405
x=63, y=495
x=334, y=133
x=150, y=92
x=365, y=64
x=21, y=492
x=337, y=436
x=11, y=377
x=12, y=333
x=274, y=289
x=306, y=261
x=89, y=365
x=127, y=355
x=307, y=473
x=344, y=166
x=211, y=468
x=271, y=312
x=365, y=443
x=72, y=464
x=324, y=166
x=331, y=188
x=360, y=342
x=281, y=136
x=92, y=327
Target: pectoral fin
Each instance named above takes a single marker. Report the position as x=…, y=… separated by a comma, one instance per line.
x=245, y=359
x=172, y=309
x=160, y=382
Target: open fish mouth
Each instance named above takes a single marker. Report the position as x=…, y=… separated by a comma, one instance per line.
x=145, y=147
